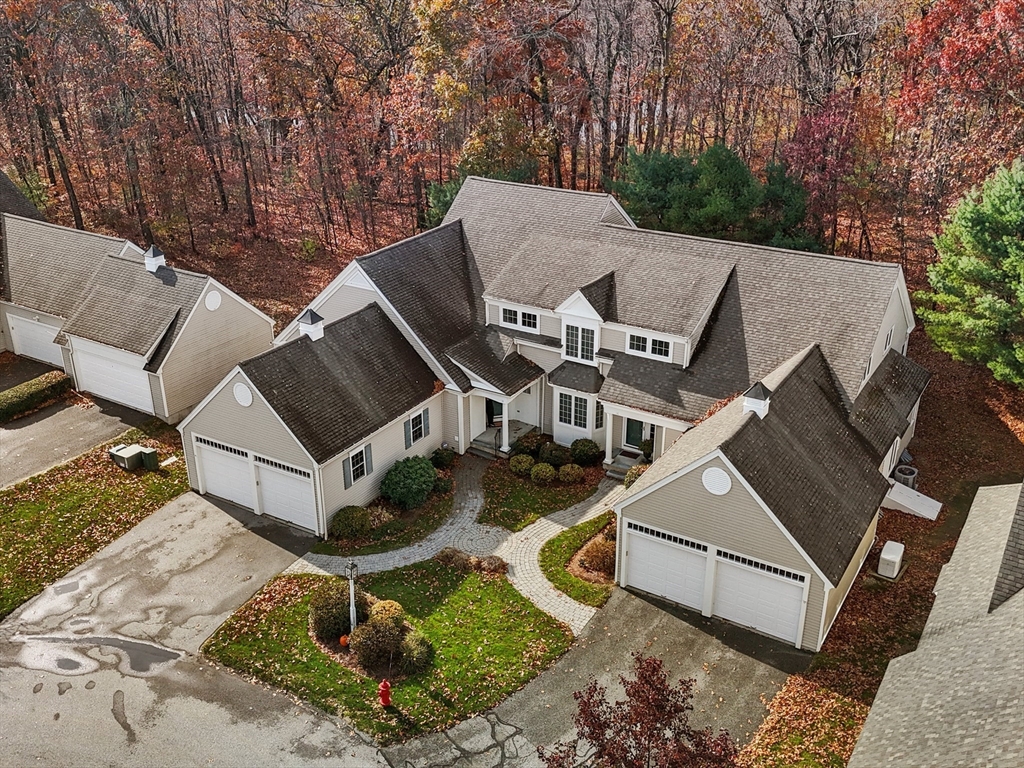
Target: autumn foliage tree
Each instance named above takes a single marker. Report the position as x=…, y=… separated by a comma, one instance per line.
x=649, y=728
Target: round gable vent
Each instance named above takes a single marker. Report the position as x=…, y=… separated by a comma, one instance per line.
x=243, y=395
x=716, y=481
x=212, y=300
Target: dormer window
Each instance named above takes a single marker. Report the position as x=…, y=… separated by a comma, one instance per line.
x=646, y=346
x=517, y=318
x=579, y=342
x=509, y=316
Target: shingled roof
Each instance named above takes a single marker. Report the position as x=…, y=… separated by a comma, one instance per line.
x=803, y=459
x=881, y=412
x=1010, y=579
x=13, y=201
x=336, y=391
x=492, y=356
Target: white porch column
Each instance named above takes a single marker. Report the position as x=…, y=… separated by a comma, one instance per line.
x=609, y=422
x=505, y=447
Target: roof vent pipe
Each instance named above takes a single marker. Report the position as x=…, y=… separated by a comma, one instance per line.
x=155, y=259
x=757, y=399
x=311, y=324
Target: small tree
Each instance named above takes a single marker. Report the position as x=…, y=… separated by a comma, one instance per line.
x=649, y=728
x=975, y=309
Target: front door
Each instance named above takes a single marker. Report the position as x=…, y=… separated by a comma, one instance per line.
x=495, y=412
x=634, y=433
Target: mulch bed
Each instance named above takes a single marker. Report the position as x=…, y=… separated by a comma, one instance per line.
x=580, y=571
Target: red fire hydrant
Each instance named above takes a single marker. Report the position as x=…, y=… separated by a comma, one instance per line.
x=384, y=693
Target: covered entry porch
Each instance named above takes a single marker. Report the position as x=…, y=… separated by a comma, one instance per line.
x=496, y=420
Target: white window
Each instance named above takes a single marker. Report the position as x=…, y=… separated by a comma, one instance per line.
x=509, y=316
x=579, y=415
x=528, y=320
x=565, y=408
x=660, y=347
x=888, y=338
x=599, y=415
x=573, y=410
x=417, y=427
x=646, y=346
x=357, y=465
x=580, y=342
x=517, y=318
x=637, y=343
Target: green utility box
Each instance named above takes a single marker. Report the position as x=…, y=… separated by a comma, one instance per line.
x=150, y=460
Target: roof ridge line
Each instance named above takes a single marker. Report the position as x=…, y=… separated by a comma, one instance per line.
x=404, y=241
x=543, y=186
x=68, y=229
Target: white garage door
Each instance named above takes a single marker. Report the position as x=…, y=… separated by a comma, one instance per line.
x=665, y=565
x=225, y=471
x=35, y=340
x=752, y=597
x=113, y=375
x=286, y=493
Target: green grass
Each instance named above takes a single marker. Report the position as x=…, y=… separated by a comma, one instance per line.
x=407, y=528
x=489, y=641
x=514, y=502
x=556, y=554
x=56, y=520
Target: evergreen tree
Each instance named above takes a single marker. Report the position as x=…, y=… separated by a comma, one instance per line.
x=975, y=308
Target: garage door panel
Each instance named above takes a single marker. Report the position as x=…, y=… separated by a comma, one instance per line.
x=114, y=380
x=755, y=599
x=226, y=475
x=35, y=340
x=666, y=570
x=287, y=495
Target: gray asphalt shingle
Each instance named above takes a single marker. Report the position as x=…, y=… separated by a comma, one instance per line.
x=882, y=410
x=492, y=355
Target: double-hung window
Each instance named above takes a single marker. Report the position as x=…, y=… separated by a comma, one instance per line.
x=417, y=427
x=579, y=414
x=357, y=465
x=573, y=410
x=599, y=415
x=579, y=342
x=565, y=408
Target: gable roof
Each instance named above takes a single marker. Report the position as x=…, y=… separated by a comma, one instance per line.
x=601, y=295
x=881, y=412
x=576, y=376
x=1010, y=579
x=802, y=459
x=492, y=356
x=956, y=699
x=336, y=391
x=431, y=284
x=13, y=200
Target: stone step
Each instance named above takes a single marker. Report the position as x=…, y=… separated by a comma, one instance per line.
x=615, y=474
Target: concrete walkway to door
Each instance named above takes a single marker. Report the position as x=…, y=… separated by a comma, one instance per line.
x=520, y=549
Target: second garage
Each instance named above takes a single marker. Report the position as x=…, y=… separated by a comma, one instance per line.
x=112, y=374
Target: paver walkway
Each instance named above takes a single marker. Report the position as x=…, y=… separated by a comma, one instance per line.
x=520, y=550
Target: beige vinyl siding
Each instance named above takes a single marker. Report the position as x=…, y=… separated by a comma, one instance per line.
x=894, y=317
x=69, y=367
x=547, y=418
x=671, y=435
x=613, y=339
x=735, y=522
x=493, y=314
x=836, y=596
x=346, y=300
x=450, y=403
x=156, y=392
x=210, y=345
x=551, y=326
x=255, y=428
x=467, y=436
x=678, y=352
x=547, y=358
x=388, y=446
x=615, y=422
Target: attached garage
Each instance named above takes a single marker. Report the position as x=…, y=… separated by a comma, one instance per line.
x=286, y=492
x=112, y=374
x=225, y=472
x=760, y=596
x=665, y=565
x=34, y=339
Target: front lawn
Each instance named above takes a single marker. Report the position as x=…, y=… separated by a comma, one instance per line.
x=57, y=519
x=489, y=641
x=406, y=528
x=556, y=554
x=514, y=502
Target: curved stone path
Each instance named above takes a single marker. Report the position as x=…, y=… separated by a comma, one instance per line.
x=520, y=550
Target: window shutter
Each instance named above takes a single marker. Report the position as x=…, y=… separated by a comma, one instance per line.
x=408, y=433
x=346, y=467
x=426, y=422
x=368, y=456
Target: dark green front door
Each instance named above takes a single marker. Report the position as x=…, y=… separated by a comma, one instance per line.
x=634, y=432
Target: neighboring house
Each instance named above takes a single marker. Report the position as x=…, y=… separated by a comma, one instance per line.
x=764, y=512
x=958, y=699
x=13, y=200
x=313, y=424
x=539, y=308
x=120, y=322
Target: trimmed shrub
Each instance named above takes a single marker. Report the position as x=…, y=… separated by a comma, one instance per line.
x=542, y=474
x=376, y=644
x=417, y=652
x=521, y=464
x=409, y=482
x=492, y=564
x=442, y=458
x=443, y=484
x=453, y=558
x=633, y=473
x=390, y=611
x=328, y=610
x=32, y=394
x=529, y=444
x=586, y=452
x=554, y=454
x=599, y=555
x=349, y=523
x=571, y=473
x=647, y=448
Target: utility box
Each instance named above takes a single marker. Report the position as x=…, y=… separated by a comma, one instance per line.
x=891, y=560
x=150, y=460
x=127, y=457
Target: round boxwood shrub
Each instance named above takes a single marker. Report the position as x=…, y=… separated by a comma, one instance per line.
x=349, y=523
x=554, y=454
x=329, y=610
x=390, y=611
x=376, y=644
x=409, y=482
x=521, y=464
x=542, y=474
x=442, y=458
x=417, y=652
x=586, y=452
x=634, y=472
x=443, y=484
x=571, y=473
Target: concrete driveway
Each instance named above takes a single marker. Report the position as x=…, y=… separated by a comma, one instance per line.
x=59, y=433
x=101, y=669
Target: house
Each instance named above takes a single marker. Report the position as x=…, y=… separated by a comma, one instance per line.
x=764, y=512
x=958, y=699
x=539, y=308
x=122, y=324
x=12, y=200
